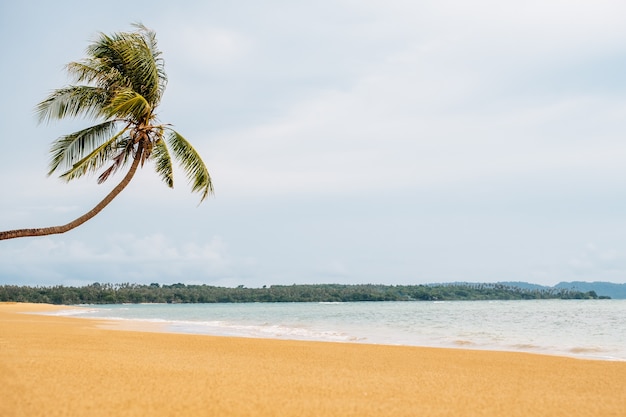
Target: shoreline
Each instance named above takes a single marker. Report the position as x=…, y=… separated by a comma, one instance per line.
x=588, y=351
x=139, y=325
x=58, y=365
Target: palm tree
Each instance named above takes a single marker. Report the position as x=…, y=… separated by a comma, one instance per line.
x=120, y=84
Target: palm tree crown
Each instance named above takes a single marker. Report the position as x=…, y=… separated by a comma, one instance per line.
x=123, y=80
x=119, y=84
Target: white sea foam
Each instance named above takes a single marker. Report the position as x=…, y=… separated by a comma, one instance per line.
x=73, y=311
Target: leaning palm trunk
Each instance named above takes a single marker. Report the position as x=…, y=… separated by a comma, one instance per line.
x=55, y=230
x=123, y=80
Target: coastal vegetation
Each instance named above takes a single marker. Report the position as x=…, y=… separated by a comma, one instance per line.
x=120, y=85
x=180, y=293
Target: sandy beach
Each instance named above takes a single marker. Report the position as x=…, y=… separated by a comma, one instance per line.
x=61, y=366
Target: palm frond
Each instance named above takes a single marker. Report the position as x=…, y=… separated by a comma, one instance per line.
x=83, y=71
x=94, y=160
x=68, y=149
x=96, y=71
x=128, y=103
x=72, y=101
x=103, y=57
x=192, y=164
x=149, y=37
x=145, y=78
x=118, y=161
x=135, y=57
x=163, y=162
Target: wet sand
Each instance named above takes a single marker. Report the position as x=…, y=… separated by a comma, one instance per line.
x=62, y=366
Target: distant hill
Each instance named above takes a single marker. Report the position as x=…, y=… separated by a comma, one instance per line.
x=601, y=288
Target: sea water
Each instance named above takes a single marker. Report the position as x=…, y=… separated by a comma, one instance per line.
x=594, y=329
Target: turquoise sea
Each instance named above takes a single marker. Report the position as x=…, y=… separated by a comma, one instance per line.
x=593, y=329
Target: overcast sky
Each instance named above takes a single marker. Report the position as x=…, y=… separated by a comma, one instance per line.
x=395, y=142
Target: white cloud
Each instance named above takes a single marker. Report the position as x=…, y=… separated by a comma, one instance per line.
x=382, y=134
x=207, y=47
x=144, y=258
x=600, y=262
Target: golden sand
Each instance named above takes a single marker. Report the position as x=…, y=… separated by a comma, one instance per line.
x=60, y=366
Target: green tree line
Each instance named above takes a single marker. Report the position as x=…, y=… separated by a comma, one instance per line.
x=180, y=293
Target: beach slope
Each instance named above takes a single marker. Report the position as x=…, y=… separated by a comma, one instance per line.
x=60, y=366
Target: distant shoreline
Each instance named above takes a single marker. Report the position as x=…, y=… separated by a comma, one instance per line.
x=180, y=293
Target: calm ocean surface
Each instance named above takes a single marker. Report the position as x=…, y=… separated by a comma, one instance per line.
x=594, y=329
